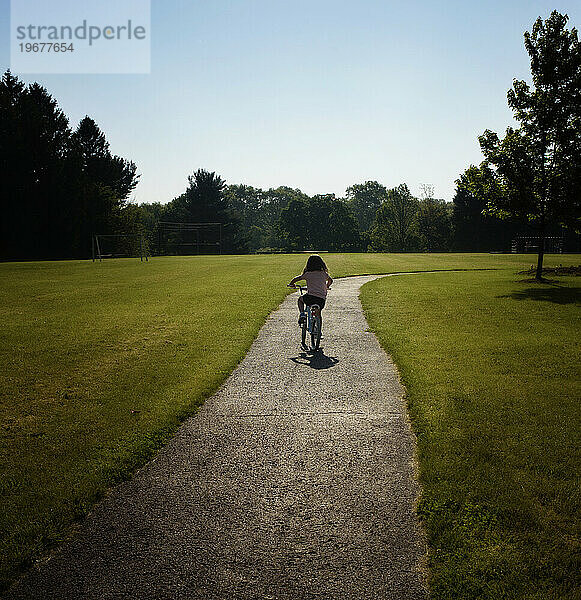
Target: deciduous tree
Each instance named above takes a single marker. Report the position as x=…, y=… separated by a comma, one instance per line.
x=474, y=229
x=364, y=199
x=395, y=226
x=434, y=225
x=538, y=165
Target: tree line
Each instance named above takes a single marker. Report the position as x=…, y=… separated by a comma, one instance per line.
x=62, y=185
x=370, y=217
x=59, y=185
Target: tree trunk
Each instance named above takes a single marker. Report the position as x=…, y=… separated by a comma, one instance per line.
x=539, y=275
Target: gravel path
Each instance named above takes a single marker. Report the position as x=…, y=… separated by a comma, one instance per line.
x=294, y=481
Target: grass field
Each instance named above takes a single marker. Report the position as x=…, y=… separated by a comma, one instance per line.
x=492, y=372
x=100, y=362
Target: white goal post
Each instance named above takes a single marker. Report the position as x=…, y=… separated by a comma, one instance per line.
x=189, y=238
x=119, y=245
x=530, y=244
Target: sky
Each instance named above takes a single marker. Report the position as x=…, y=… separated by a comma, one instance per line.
x=317, y=95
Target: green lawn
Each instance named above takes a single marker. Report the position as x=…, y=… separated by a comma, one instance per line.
x=492, y=372
x=100, y=362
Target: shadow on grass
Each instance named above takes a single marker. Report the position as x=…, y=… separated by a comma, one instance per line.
x=555, y=293
x=315, y=360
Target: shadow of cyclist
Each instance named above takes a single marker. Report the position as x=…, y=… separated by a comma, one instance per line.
x=315, y=360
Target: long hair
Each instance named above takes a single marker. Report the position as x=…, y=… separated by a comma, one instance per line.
x=315, y=263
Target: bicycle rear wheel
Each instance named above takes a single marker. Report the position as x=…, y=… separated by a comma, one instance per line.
x=316, y=332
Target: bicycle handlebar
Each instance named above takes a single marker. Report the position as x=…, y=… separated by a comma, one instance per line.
x=294, y=286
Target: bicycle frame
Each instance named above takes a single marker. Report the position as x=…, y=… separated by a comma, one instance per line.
x=310, y=310
x=313, y=311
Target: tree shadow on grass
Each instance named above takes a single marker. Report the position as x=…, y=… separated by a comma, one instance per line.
x=315, y=360
x=556, y=294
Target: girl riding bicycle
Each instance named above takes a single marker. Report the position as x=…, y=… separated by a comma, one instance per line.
x=318, y=282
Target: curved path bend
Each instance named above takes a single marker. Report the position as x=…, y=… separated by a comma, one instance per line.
x=294, y=481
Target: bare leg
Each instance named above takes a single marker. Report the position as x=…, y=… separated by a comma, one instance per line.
x=320, y=313
x=301, y=304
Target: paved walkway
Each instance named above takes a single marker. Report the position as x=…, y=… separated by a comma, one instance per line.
x=294, y=481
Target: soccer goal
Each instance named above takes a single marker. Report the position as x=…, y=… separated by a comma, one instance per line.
x=189, y=238
x=530, y=244
x=121, y=245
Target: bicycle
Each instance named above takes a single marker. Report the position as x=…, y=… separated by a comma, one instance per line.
x=311, y=325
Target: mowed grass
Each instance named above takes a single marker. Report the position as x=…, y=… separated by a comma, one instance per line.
x=99, y=363
x=493, y=378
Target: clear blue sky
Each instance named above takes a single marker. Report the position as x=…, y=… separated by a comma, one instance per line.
x=316, y=95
